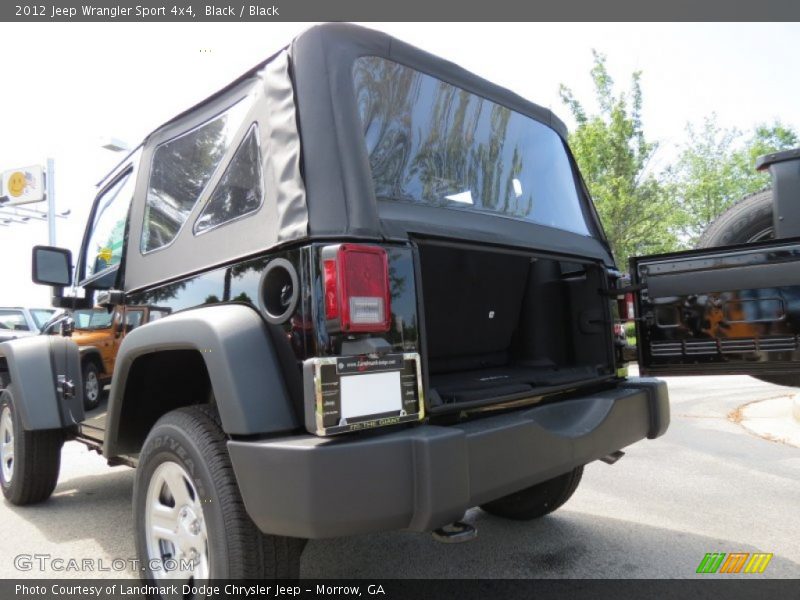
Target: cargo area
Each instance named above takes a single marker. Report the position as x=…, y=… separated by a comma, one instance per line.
x=502, y=325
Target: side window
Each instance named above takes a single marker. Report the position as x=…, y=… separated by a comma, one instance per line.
x=107, y=235
x=156, y=314
x=13, y=319
x=239, y=191
x=41, y=316
x=180, y=171
x=133, y=318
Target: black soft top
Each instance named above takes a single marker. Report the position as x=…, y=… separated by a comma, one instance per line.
x=318, y=182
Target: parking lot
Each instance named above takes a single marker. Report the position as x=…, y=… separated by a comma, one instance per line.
x=707, y=486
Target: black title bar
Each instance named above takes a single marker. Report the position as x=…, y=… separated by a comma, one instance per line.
x=407, y=10
x=408, y=589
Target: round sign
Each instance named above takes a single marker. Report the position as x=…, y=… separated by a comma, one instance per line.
x=16, y=184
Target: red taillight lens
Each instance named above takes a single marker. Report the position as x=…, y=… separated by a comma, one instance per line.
x=629, y=311
x=356, y=281
x=331, y=290
x=625, y=307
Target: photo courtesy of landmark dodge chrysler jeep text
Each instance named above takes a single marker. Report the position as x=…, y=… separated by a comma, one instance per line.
x=389, y=299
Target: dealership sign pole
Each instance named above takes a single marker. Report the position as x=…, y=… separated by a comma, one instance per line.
x=51, y=202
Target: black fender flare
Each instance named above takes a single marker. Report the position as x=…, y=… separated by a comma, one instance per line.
x=93, y=351
x=40, y=368
x=241, y=360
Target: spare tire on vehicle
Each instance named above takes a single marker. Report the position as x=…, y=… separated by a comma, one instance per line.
x=749, y=220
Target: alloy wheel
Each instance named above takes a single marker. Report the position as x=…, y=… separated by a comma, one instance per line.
x=175, y=526
x=7, y=444
x=91, y=387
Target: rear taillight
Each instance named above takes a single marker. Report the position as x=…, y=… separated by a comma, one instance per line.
x=625, y=307
x=356, y=282
x=629, y=311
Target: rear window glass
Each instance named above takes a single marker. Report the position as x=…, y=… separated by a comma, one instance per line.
x=433, y=143
x=180, y=171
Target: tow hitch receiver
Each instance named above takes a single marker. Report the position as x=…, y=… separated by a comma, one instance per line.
x=610, y=459
x=455, y=533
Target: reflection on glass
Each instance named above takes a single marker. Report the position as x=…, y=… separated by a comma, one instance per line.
x=433, y=143
x=181, y=168
x=106, y=238
x=239, y=191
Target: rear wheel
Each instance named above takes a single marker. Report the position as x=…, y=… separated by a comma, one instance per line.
x=29, y=460
x=749, y=220
x=537, y=500
x=189, y=513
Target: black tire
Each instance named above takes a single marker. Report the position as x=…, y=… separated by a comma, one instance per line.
x=749, y=220
x=31, y=474
x=193, y=438
x=92, y=388
x=537, y=500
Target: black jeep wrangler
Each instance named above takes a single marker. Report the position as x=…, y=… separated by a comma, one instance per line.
x=391, y=300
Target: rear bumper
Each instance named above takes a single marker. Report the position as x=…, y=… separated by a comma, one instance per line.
x=424, y=477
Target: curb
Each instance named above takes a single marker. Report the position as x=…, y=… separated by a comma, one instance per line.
x=774, y=419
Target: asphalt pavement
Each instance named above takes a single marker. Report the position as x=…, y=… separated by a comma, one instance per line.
x=708, y=485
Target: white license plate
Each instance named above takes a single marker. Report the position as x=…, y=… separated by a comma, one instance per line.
x=370, y=394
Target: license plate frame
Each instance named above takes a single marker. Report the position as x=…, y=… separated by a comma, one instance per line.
x=323, y=382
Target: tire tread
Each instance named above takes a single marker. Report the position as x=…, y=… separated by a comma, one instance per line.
x=36, y=465
x=750, y=215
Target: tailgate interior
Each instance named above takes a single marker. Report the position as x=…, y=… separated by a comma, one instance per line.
x=502, y=325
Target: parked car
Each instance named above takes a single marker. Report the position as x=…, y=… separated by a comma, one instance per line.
x=53, y=325
x=16, y=321
x=391, y=301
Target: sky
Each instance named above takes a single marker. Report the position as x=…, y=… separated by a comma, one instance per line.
x=67, y=86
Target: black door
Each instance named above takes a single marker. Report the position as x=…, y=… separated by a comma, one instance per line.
x=722, y=310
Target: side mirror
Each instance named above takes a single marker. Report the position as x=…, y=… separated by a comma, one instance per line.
x=52, y=266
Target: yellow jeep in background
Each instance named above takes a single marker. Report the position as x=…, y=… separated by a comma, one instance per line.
x=98, y=332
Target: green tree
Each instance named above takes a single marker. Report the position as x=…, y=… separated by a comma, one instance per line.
x=613, y=155
x=716, y=168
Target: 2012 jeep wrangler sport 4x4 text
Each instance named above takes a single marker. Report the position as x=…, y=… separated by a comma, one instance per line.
x=389, y=300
